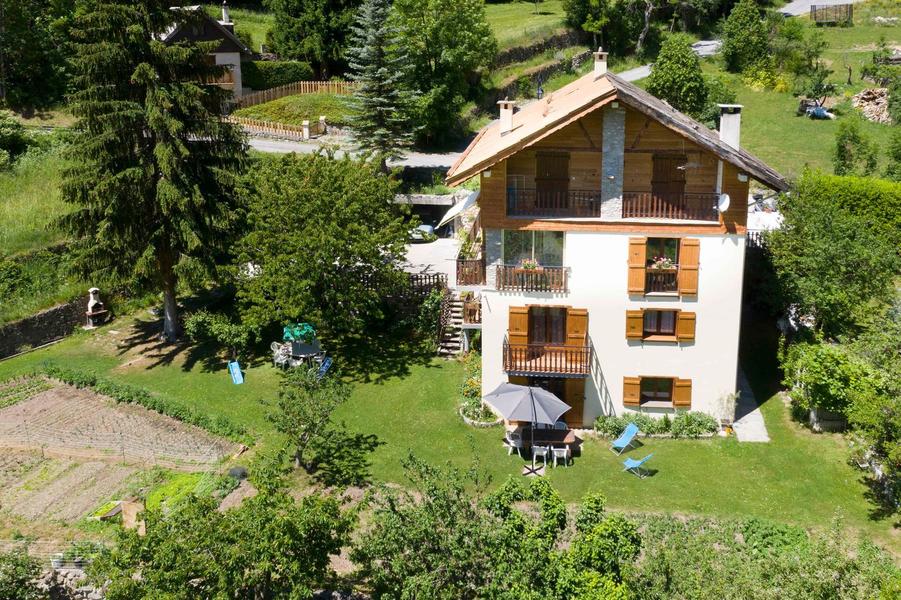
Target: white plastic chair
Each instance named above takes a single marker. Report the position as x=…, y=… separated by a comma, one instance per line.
x=513, y=441
x=561, y=426
x=562, y=453
x=541, y=451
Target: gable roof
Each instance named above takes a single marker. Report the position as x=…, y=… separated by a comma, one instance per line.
x=544, y=117
x=175, y=29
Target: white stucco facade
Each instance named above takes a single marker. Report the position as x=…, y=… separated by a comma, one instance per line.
x=597, y=281
x=233, y=61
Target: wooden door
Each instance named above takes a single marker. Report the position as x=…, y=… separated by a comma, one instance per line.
x=552, y=180
x=575, y=397
x=668, y=180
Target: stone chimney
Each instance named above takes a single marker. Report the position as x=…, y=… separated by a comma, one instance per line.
x=600, y=63
x=226, y=18
x=506, y=122
x=730, y=124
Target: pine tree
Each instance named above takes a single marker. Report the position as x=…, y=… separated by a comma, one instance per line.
x=152, y=181
x=381, y=67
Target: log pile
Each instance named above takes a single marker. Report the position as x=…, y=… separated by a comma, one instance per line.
x=873, y=103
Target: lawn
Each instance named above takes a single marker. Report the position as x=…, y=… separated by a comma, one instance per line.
x=29, y=201
x=294, y=110
x=799, y=477
x=521, y=23
x=249, y=22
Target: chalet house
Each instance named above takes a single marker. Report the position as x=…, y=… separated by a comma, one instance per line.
x=612, y=244
x=231, y=51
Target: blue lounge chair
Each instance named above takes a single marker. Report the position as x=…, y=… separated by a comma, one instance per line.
x=625, y=439
x=324, y=367
x=634, y=466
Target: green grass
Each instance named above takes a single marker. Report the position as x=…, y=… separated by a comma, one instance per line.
x=294, y=110
x=518, y=24
x=249, y=22
x=853, y=46
x=179, y=486
x=799, y=477
x=29, y=201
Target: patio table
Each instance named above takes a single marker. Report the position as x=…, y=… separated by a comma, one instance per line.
x=550, y=437
x=304, y=350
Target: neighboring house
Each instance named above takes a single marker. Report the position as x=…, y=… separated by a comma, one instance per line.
x=231, y=51
x=611, y=266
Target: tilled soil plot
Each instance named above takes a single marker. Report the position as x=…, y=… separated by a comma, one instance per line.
x=66, y=421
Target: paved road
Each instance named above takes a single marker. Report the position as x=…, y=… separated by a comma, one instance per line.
x=797, y=8
x=702, y=48
x=413, y=159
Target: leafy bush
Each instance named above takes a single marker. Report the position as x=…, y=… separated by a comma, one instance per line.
x=692, y=425
x=129, y=394
x=12, y=277
x=855, y=153
x=18, y=571
x=263, y=75
x=471, y=390
x=745, y=38
x=684, y=424
x=822, y=375
x=204, y=326
x=677, y=76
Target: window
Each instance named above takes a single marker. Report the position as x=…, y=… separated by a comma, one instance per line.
x=547, y=325
x=656, y=390
x=659, y=322
x=660, y=250
x=546, y=247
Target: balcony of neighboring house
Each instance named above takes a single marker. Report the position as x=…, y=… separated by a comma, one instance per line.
x=532, y=262
x=547, y=340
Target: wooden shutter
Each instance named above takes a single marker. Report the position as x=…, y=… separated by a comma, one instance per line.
x=631, y=391
x=682, y=393
x=576, y=326
x=574, y=395
x=689, y=255
x=518, y=327
x=685, y=326
x=518, y=379
x=634, y=324
x=637, y=263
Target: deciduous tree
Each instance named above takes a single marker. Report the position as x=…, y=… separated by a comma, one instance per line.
x=153, y=163
x=745, y=39
x=677, y=76
x=855, y=153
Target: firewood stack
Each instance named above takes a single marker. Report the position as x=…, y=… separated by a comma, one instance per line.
x=873, y=103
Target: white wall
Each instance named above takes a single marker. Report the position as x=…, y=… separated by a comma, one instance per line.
x=233, y=60
x=598, y=265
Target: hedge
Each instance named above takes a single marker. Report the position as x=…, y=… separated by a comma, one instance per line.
x=129, y=394
x=265, y=74
x=682, y=425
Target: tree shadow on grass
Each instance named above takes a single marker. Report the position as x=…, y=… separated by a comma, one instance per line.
x=379, y=355
x=343, y=458
x=882, y=504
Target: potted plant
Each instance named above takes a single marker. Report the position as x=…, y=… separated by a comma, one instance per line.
x=530, y=264
x=662, y=263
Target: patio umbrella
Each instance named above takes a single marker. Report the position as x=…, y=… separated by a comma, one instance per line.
x=525, y=403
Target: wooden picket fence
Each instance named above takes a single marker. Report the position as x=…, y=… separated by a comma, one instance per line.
x=294, y=89
x=281, y=130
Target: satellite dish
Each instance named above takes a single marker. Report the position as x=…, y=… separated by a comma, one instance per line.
x=722, y=205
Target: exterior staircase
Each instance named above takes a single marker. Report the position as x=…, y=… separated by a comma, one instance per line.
x=451, y=342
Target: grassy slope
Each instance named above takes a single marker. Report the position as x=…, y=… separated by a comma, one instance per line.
x=29, y=201
x=798, y=477
x=294, y=110
x=254, y=22
x=518, y=24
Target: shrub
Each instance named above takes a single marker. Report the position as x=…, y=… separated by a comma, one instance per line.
x=822, y=375
x=12, y=277
x=855, y=153
x=130, y=394
x=744, y=37
x=262, y=75
x=692, y=425
x=610, y=425
x=677, y=76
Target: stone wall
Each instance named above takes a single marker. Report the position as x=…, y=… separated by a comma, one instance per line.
x=522, y=53
x=43, y=327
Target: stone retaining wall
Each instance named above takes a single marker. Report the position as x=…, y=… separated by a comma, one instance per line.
x=42, y=328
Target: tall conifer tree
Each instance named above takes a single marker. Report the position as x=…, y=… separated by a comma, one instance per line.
x=153, y=176
x=381, y=66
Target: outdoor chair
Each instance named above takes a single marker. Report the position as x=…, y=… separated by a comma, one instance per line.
x=513, y=441
x=561, y=426
x=634, y=466
x=625, y=439
x=563, y=454
x=541, y=451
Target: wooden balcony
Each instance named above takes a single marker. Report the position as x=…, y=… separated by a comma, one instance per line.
x=661, y=280
x=470, y=271
x=544, y=359
x=472, y=312
x=554, y=204
x=542, y=279
x=687, y=206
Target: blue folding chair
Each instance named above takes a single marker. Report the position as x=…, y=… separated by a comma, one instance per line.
x=324, y=367
x=634, y=466
x=625, y=439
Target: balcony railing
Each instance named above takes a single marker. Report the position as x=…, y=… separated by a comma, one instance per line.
x=546, y=359
x=688, y=206
x=472, y=312
x=542, y=279
x=661, y=280
x=551, y=204
x=470, y=271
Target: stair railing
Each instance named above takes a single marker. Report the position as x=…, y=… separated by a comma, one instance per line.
x=445, y=316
